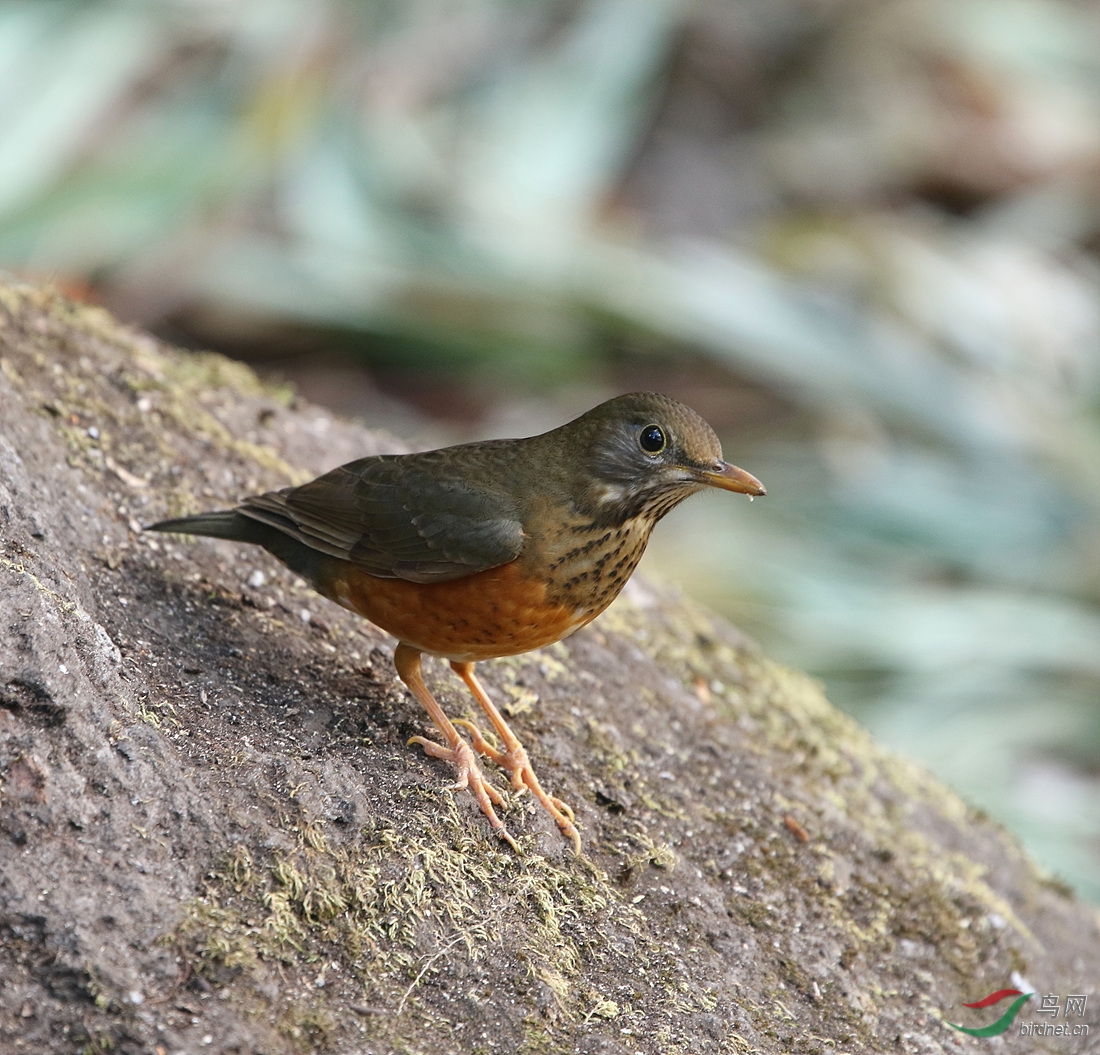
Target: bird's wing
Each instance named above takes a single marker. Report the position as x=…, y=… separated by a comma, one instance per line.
x=403, y=518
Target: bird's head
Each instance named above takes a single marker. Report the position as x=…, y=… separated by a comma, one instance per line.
x=646, y=453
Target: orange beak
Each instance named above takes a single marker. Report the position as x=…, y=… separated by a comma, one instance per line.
x=730, y=478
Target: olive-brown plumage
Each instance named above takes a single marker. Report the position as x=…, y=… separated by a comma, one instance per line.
x=488, y=549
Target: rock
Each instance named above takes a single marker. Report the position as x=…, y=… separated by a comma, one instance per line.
x=213, y=837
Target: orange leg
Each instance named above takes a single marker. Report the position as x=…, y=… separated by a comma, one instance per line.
x=514, y=756
x=459, y=753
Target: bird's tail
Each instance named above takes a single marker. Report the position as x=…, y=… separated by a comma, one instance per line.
x=231, y=524
x=224, y=523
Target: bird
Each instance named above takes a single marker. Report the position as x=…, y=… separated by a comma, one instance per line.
x=488, y=549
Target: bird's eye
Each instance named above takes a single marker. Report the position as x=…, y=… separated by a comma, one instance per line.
x=652, y=439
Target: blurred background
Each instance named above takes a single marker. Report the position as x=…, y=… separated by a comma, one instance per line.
x=862, y=239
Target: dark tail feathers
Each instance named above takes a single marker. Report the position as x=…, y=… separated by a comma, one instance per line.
x=225, y=523
x=229, y=524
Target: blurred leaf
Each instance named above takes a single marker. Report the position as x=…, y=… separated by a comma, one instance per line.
x=549, y=136
x=59, y=78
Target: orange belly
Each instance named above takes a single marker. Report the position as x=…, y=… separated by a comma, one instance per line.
x=493, y=613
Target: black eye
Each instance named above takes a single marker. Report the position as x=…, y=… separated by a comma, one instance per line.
x=652, y=439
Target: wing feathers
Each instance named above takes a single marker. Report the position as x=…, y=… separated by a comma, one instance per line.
x=398, y=519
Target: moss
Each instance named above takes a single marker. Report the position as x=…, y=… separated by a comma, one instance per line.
x=384, y=907
x=175, y=388
x=98, y=1043
x=309, y=1027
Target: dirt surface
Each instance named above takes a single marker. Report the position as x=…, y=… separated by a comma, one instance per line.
x=213, y=837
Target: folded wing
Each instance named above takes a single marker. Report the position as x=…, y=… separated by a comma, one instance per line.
x=401, y=518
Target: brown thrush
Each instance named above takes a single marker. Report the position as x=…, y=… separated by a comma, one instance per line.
x=488, y=549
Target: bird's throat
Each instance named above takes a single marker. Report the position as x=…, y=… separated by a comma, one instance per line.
x=590, y=563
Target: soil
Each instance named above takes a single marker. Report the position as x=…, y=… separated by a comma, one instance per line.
x=213, y=837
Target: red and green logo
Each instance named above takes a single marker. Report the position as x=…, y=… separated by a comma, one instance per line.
x=995, y=1029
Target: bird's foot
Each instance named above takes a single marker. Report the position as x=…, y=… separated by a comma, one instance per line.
x=461, y=756
x=516, y=763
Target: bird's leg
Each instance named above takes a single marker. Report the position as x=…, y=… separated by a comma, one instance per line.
x=456, y=751
x=513, y=758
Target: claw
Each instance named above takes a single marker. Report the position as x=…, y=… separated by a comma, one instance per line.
x=469, y=776
x=517, y=764
x=481, y=745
